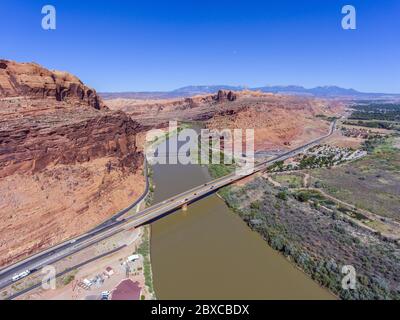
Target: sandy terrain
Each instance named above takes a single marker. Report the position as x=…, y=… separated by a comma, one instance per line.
x=337, y=139
x=116, y=261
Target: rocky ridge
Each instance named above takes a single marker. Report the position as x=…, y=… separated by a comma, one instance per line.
x=278, y=120
x=31, y=79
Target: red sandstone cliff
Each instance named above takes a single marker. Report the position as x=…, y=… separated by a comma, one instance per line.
x=67, y=162
x=279, y=121
x=34, y=81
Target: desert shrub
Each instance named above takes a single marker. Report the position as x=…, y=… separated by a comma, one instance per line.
x=255, y=205
x=320, y=244
x=303, y=196
x=318, y=184
x=282, y=195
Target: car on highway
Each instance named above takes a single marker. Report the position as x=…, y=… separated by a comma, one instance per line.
x=20, y=275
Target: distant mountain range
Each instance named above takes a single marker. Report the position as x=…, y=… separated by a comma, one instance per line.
x=322, y=92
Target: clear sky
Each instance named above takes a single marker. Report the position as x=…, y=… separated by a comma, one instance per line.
x=162, y=45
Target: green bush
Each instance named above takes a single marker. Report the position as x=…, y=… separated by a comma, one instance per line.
x=68, y=279
x=282, y=195
x=303, y=197
x=255, y=205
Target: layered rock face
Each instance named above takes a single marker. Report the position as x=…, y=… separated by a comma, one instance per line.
x=30, y=79
x=67, y=162
x=157, y=112
x=280, y=122
x=65, y=136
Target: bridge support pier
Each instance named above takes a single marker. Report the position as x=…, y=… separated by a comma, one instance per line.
x=184, y=207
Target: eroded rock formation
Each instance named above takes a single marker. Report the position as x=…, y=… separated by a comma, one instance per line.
x=32, y=80
x=279, y=121
x=67, y=162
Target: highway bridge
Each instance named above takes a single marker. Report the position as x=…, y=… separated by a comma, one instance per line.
x=65, y=249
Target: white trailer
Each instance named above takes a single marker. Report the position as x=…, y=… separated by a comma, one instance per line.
x=20, y=275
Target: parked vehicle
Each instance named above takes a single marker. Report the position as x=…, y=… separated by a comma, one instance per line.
x=105, y=295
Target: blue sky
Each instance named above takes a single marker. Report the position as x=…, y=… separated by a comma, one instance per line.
x=162, y=45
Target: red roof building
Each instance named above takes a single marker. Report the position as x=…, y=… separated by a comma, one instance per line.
x=127, y=290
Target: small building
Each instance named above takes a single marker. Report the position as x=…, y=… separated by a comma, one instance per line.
x=127, y=290
x=133, y=258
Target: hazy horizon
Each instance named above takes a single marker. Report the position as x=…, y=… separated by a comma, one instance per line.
x=247, y=87
x=123, y=46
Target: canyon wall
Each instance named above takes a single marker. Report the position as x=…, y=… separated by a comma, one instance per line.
x=280, y=121
x=67, y=162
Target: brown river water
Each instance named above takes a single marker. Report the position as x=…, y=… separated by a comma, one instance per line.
x=208, y=252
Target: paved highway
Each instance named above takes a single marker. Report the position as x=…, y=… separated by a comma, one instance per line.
x=113, y=226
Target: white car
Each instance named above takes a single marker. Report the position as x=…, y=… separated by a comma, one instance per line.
x=20, y=275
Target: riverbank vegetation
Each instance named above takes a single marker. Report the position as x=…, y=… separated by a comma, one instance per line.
x=289, y=180
x=317, y=241
x=144, y=250
x=220, y=170
x=150, y=193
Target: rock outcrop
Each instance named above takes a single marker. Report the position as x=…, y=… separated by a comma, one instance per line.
x=30, y=79
x=276, y=119
x=53, y=118
x=67, y=162
x=224, y=95
x=31, y=143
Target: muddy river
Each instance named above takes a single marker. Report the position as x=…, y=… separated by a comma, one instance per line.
x=208, y=252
